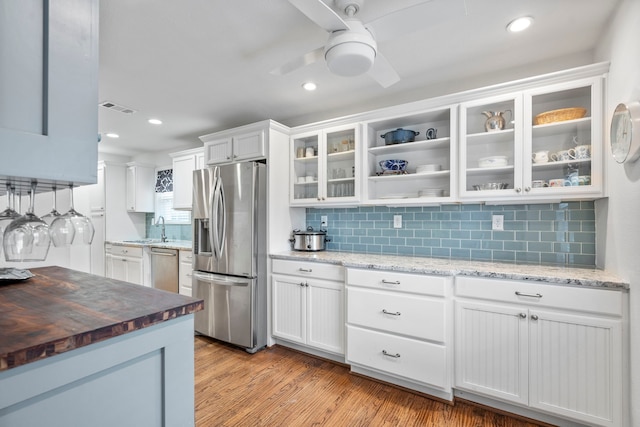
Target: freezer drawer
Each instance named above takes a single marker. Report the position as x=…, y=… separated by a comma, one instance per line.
x=229, y=308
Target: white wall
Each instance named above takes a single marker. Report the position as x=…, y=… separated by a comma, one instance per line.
x=619, y=216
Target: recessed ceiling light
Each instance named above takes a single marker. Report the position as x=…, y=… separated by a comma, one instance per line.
x=155, y=121
x=519, y=24
x=309, y=86
x=113, y=135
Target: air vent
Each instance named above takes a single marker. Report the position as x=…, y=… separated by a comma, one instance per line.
x=120, y=108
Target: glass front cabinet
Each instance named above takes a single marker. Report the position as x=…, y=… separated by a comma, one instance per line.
x=325, y=167
x=539, y=144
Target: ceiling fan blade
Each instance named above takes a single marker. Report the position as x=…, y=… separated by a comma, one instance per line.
x=383, y=72
x=320, y=13
x=304, y=60
x=413, y=18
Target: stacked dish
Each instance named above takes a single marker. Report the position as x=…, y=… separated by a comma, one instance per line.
x=491, y=186
x=492, y=161
x=427, y=168
x=430, y=192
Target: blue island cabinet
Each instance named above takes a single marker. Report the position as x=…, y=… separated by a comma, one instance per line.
x=49, y=91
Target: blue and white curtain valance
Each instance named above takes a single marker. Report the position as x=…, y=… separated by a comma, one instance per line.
x=164, y=181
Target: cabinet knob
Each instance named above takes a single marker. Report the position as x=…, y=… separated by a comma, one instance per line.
x=527, y=189
x=534, y=317
x=523, y=315
x=235, y=156
x=518, y=190
x=319, y=199
x=301, y=284
x=124, y=259
x=228, y=158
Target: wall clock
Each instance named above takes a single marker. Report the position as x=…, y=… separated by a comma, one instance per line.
x=625, y=132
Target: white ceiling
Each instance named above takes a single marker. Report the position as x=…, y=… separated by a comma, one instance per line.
x=204, y=65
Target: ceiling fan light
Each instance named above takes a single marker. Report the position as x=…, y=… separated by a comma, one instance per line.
x=350, y=59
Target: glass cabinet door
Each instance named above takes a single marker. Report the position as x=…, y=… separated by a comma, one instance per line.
x=304, y=173
x=561, y=124
x=491, y=147
x=340, y=166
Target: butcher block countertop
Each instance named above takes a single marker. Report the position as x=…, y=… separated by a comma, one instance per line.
x=59, y=310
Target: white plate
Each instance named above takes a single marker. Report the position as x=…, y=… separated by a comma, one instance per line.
x=398, y=196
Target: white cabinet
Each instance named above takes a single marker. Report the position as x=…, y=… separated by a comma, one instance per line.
x=49, y=81
x=124, y=263
x=308, y=305
x=430, y=175
x=506, y=155
x=184, y=163
x=325, y=166
x=141, y=181
x=553, y=348
x=399, y=329
x=185, y=272
x=239, y=144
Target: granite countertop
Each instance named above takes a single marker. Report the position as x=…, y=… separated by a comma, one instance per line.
x=572, y=276
x=156, y=243
x=59, y=310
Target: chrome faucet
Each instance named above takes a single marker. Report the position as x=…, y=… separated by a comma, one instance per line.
x=163, y=236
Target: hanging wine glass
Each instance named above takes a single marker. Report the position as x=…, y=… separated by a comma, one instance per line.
x=48, y=218
x=71, y=227
x=27, y=237
x=8, y=215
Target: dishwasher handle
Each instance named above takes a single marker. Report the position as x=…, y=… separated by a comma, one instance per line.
x=226, y=281
x=162, y=253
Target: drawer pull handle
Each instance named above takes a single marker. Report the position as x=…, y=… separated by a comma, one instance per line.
x=305, y=270
x=395, y=356
x=534, y=317
x=397, y=313
x=522, y=294
x=389, y=282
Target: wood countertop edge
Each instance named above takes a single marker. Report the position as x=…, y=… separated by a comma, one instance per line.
x=42, y=351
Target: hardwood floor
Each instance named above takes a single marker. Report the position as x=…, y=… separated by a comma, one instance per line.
x=281, y=387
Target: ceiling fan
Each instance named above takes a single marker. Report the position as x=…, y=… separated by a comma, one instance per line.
x=351, y=49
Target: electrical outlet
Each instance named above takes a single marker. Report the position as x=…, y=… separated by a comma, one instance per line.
x=397, y=221
x=323, y=221
x=497, y=222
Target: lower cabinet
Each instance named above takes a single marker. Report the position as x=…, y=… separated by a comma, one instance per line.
x=552, y=348
x=185, y=271
x=399, y=329
x=124, y=263
x=307, y=308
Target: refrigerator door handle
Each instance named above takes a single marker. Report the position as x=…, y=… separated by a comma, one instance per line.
x=213, y=202
x=225, y=281
x=223, y=215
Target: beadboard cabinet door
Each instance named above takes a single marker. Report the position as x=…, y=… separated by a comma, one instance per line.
x=289, y=308
x=492, y=350
x=49, y=87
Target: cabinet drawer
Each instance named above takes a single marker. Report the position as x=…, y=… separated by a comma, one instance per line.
x=309, y=269
x=403, y=282
x=185, y=275
x=414, y=360
x=416, y=316
x=186, y=256
x=133, y=251
x=541, y=294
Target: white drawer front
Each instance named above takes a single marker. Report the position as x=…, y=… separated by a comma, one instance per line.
x=133, y=251
x=403, y=282
x=414, y=360
x=309, y=269
x=541, y=294
x=186, y=256
x=416, y=316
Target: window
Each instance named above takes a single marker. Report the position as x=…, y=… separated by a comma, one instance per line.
x=164, y=200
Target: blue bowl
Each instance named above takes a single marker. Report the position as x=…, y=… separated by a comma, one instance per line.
x=393, y=165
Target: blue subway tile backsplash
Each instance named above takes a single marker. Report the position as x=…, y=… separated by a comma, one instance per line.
x=555, y=234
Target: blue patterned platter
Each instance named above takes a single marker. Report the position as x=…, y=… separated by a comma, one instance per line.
x=393, y=165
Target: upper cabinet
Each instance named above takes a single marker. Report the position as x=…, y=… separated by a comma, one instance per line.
x=141, y=182
x=411, y=158
x=324, y=168
x=184, y=163
x=539, y=144
x=235, y=145
x=49, y=86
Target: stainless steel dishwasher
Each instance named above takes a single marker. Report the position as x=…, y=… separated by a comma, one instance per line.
x=164, y=269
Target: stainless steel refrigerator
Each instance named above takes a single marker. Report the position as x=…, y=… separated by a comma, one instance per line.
x=229, y=253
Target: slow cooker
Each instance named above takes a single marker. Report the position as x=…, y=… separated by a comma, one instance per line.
x=309, y=240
